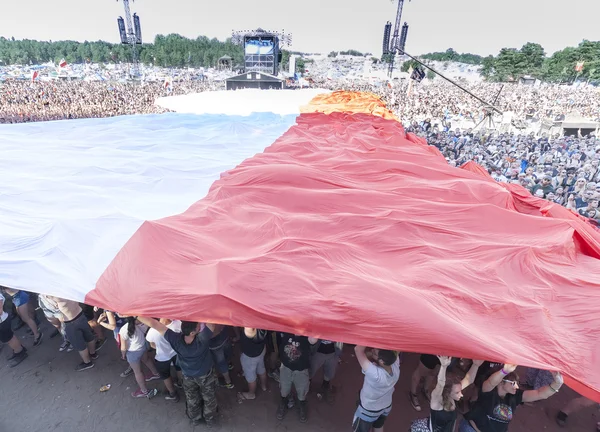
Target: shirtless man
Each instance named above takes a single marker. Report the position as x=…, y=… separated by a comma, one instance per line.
x=78, y=331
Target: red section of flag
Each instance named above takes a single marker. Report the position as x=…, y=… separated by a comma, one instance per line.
x=34, y=75
x=63, y=63
x=579, y=66
x=349, y=230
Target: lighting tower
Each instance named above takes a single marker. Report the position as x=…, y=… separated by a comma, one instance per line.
x=395, y=45
x=132, y=35
x=396, y=38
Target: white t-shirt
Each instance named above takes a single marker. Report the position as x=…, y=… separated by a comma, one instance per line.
x=3, y=315
x=164, y=350
x=378, y=387
x=137, y=342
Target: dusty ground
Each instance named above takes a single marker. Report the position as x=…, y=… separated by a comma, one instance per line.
x=44, y=393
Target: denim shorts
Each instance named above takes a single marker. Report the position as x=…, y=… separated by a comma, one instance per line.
x=20, y=298
x=135, y=356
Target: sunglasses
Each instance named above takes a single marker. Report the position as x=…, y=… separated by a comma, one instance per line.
x=512, y=383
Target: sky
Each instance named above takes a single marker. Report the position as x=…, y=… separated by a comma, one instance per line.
x=476, y=26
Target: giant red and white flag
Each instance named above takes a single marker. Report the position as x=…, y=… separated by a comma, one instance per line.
x=327, y=220
x=62, y=63
x=34, y=75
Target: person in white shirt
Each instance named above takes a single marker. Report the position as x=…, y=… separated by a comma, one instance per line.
x=7, y=336
x=376, y=394
x=165, y=356
x=135, y=350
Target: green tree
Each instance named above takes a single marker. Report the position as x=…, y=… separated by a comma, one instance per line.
x=534, y=56
x=451, y=55
x=407, y=65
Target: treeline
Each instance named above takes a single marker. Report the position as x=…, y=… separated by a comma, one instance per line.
x=349, y=52
x=511, y=64
x=451, y=55
x=168, y=51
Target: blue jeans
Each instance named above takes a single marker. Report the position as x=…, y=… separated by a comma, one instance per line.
x=465, y=426
x=221, y=357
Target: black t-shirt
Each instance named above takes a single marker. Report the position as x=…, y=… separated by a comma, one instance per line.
x=294, y=351
x=194, y=359
x=491, y=413
x=326, y=347
x=253, y=347
x=442, y=421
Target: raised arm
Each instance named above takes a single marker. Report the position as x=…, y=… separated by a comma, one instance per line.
x=156, y=325
x=361, y=356
x=544, y=392
x=437, y=401
x=493, y=381
x=110, y=317
x=470, y=377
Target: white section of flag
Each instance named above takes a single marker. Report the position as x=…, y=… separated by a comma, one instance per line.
x=241, y=102
x=75, y=191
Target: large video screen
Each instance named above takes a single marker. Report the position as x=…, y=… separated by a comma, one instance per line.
x=259, y=46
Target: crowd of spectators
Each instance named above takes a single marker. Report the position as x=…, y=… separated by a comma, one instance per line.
x=439, y=100
x=561, y=169
x=564, y=170
x=23, y=101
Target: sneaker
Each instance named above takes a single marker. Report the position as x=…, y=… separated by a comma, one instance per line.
x=561, y=418
x=83, y=366
x=228, y=386
x=172, y=397
x=14, y=355
x=139, y=393
x=152, y=377
x=414, y=401
x=18, y=358
x=282, y=409
x=94, y=356
x=127, y=372
x=274, y=375
x=38, y=340
x=230, y=366
x=64, y=346
x=70, y=347
x=303, y=412
x=99, y=344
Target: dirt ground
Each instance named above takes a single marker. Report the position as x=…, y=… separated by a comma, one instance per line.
x=44, y=393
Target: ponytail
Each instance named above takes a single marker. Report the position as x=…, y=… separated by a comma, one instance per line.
x=130, y=326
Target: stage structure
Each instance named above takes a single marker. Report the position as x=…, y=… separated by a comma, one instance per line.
x=262, y=56
x=131, y=35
